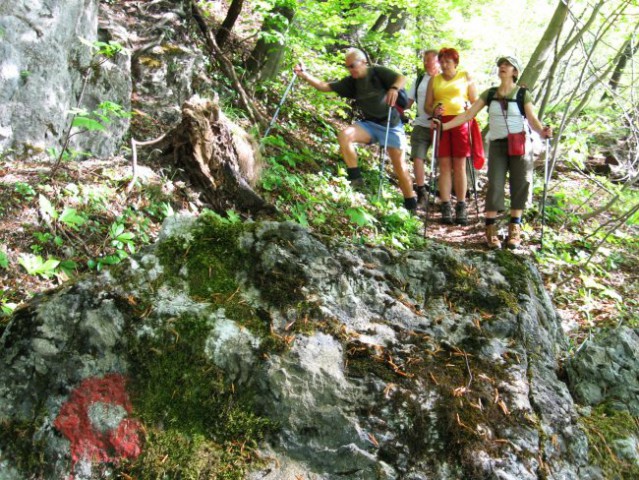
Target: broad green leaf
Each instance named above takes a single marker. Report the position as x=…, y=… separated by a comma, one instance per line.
x=47, y=209
x=8, y=308
x=36, y=265
x=115, y=230
x=71, y=218
x=360, y=216
x=87, y=123
x=4, y=260
x=50, y=265
x=126, y=236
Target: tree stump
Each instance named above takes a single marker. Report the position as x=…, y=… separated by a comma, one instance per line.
x=220, y=159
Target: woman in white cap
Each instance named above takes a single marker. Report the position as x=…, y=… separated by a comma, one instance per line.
x=505, y=116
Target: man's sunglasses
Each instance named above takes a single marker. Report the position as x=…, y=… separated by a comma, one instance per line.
x=353, y=65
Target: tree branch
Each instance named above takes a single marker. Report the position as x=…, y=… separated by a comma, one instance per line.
x=227, y=68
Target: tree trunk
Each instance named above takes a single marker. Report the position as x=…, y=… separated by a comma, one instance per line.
x=266, y=57
x=628, y=51
x=396, y=21
x=232, y=15
x=379, y=23
x=535, y=66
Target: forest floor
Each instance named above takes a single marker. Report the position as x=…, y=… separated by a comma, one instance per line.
x=87, y=216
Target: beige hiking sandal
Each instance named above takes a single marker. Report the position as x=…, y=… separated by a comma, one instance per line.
x=492, y=239
x=514, y=236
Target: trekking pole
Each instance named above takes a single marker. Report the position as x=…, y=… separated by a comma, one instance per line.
x=470, y=166
x=543, y=198
x=433, y=162
x=383, y=159
x=277, y=111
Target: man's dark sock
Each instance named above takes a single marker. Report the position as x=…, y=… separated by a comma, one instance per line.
x=516, y=220
x=353, y=173
x=491, y=221
x=410, y=203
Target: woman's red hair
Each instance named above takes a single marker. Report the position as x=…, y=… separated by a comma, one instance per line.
x=449, y=53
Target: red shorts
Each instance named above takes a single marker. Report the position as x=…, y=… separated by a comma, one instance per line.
x=454, y=142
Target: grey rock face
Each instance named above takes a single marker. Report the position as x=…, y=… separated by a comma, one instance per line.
x=435, y=364
x=41, y=58
x=606, y=369
x=167, y=65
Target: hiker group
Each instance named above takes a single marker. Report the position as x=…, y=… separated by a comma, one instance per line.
x=447, y=103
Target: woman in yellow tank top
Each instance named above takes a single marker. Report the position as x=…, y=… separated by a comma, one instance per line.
x=447, y=96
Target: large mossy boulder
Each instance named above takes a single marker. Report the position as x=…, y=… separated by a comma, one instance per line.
x=261, y=351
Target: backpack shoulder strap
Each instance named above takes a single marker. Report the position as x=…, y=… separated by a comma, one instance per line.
x=418, y=81
x=520, y=100
x=491, y=95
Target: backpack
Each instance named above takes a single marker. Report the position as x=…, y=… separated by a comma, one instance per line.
x=418, y=81
x=519, y=98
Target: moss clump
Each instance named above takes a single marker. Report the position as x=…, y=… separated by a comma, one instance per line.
x=363, y=360
x=463, y=288
x=174, y=454
x=195, y=421
x=515, y=270
x=150, y=62
x=18, y=443
x=603, y=426
x=209, y=252
x=211, y=256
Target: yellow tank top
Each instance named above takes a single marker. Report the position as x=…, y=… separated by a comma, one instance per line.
x=452, y=94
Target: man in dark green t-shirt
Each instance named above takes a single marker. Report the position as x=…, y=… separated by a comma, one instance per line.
x=374, y=89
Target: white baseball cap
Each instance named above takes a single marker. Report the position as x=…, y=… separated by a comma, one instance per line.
x=512, y=60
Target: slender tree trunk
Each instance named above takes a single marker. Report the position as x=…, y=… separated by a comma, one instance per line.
x=379, y=23
x=266, y=57
x=396, y=21
x=530, y=75
x=232, y=15
x=588, y=53
x=628, y=51
x=535, y=66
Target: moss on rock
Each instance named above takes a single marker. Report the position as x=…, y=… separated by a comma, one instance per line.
x=195, y=420
x=604, y=426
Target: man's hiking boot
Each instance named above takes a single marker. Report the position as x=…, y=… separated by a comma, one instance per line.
x=514, y=236
x=492, y=239
x=447, y=213
x=461, y=216
x=357, y=184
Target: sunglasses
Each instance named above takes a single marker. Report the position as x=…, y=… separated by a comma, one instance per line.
x=353, y=65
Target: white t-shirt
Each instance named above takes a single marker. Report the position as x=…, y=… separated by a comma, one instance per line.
x=422, y=119
x=496, y=120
